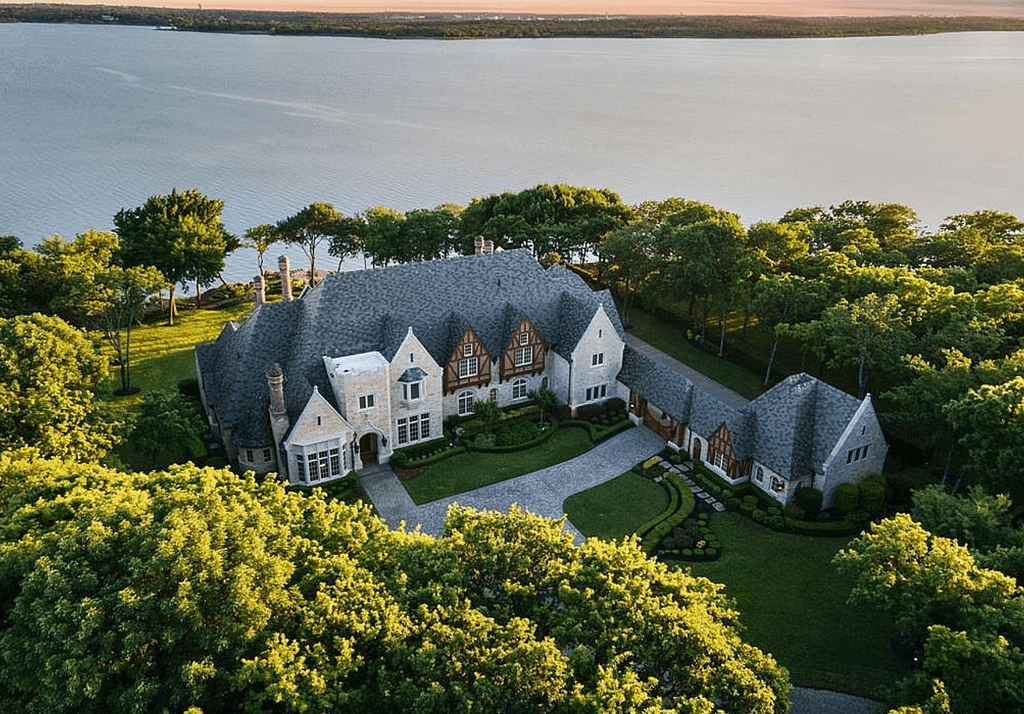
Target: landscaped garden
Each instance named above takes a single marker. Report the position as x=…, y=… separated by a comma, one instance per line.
x=793, y=604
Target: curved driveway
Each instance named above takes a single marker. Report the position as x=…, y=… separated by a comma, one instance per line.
x=541, y=492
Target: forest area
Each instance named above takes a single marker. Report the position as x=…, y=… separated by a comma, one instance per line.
x=195, y=589
x=504, y=25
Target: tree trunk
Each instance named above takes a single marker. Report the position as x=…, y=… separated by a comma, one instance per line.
x=170, y=305
x=861, y=379
x=949, y=460
x=721, y=335
x=126, y=367
x=771, y=360
x=199, y=294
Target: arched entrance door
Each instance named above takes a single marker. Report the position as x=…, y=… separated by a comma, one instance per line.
x=696, y=449
x=368, y=449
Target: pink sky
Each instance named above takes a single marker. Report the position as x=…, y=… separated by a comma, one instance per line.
x=1002, y=8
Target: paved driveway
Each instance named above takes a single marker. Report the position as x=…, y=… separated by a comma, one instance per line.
x=541, y=492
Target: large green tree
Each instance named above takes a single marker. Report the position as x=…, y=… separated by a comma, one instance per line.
x=260, y=238
x=179, y=234
x=308, y=228
x=990, y=420
x=49, y=372
x=198, y=588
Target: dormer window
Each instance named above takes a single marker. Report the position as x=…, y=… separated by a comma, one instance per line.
x=412, y=383
x=524, y=339
x=524, y=356
x=467, y=350
x=597, y=359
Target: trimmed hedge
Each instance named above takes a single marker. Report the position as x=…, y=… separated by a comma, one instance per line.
x=687, y=504
x=548, y=433
x=422, y=454
x=674, y=497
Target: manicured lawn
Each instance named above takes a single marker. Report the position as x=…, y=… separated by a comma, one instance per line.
x=671, y=341
x=616, y=508
x=793, y=604
x=162, y=356
x=473, y=469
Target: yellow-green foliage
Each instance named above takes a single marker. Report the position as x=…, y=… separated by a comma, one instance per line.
x=198, y=588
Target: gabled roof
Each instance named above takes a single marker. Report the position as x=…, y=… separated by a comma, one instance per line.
x=372, y=310
x=792, y=428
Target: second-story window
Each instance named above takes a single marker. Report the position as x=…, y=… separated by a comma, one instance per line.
x=411, y=391
x=366, y=401
x=467, y=367
x=597, y=359
x=524, y=356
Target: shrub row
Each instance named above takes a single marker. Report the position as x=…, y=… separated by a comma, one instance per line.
x=817, y=528
x=674, y=496
x=687, y=503
x=429, y=452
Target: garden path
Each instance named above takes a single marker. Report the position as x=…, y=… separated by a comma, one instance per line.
x=541, y=492
x=685, y=469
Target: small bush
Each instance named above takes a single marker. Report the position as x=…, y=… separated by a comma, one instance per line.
x=810, y=500
x=727, y=493
x=710, y=552
x=189, y=387
x=846, y=498
x=698, y=552
x=714, y=490
x=734, y=503
x=794, y=511
x=759, y=515
x=774, y=511
x=776, y=522
x=872, y=495
x=686, y=552
x=859, y=517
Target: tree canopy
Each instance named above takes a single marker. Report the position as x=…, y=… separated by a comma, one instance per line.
x=49, y=372
x=198, y=588
x=179, y=234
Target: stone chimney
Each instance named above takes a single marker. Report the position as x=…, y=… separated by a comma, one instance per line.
x=284, y=266
x=483, y=245
x=259, y=293
x=278, y=415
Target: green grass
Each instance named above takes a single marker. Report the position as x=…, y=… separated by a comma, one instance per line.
x=474, y=469
x=616, y=508
x=673, y=342
x=792, y=603
x=162, y=356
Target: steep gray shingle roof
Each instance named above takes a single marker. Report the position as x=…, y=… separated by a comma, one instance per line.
x=372, y=310
x=791, y=428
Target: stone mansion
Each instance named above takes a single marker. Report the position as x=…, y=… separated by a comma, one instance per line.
x=371, y=361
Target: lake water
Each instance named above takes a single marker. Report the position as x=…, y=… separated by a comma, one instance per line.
x=97, y=118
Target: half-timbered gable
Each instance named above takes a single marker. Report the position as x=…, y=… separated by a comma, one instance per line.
x=469, y=364
x=524, y=354
x=722, y=454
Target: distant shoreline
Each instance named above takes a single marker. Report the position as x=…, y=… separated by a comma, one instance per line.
x=509, y=25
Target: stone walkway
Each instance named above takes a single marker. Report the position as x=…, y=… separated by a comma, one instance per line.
x=723, y=394
x=685, y=470
x=541, y=492
x=818, y=701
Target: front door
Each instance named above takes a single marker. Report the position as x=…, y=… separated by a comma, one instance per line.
x=368, y=449
x=696, y=449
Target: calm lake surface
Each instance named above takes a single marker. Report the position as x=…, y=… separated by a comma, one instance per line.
x=94, y=119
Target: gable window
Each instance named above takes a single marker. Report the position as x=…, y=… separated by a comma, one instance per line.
x=465, y=403
x=366, y=401
x=863, y=430
x=720, y=460
x=410, y=391
x=597, y=359
x=759, y=474
x=518, y=389
x=524, y=356
x=778, y=485
x=854, y=455
x=467, y=350
x=467, y=367
x=524, y=339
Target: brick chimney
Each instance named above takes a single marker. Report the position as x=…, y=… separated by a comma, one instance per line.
x=483, y=245
x=284, y=266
